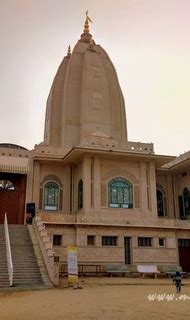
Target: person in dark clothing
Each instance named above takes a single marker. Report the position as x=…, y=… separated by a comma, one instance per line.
x=177, y=280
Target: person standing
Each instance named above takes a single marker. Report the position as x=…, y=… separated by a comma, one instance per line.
x=177, y=280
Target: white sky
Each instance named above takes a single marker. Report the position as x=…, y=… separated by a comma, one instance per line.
x=147, y=40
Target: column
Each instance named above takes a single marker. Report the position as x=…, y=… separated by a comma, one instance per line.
x=29, y=182
x=86, y=182
x=153, y=199
x=97, y=184
x=169, y=197
x=144, y=199
x=36, y=184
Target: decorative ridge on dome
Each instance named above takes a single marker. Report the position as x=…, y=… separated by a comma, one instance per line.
x=86, y=36
x=69, y=51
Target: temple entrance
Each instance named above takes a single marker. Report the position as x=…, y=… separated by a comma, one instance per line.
x=184, y=254
x=12, y=197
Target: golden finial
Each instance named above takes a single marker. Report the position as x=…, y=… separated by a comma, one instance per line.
x=86, y=25
x=69, y=51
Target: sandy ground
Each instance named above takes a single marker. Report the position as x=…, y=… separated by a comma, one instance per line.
x=101, y=298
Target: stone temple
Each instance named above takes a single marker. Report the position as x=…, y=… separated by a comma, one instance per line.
x=115, y=200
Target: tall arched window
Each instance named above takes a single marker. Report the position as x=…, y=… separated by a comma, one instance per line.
x=51, y=196
x=120, y=193
x=80, y=194
x=186, y=201
x=161, y=203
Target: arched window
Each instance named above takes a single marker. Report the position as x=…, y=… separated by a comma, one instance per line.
x=6, y=185
x=80, y=194
x=186, y=202
x=120, y=193
x=161, y=203
x=51, y=196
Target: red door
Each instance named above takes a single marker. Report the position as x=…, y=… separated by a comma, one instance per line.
x=9, y=204
x=12, y=197
x=184, y=254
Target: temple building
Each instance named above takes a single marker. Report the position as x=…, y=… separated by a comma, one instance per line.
x=115, y=200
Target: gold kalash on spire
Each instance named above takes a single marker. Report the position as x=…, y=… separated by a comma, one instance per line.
x=86, y=36
x=86, y=24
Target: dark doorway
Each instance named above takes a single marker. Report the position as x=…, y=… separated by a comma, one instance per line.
x=12, y=197
x=184, y=254
x=127, y=248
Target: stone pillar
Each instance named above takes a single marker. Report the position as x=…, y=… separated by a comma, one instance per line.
x=144, y=199
x=153, y=200
x=175, y=195
x=36, y=185
x=66, y=189
x=29, y=182
x=97, y=194
x=86, y=182
x=169, y=198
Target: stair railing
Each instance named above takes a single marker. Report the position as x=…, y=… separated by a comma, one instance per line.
x=8, y=249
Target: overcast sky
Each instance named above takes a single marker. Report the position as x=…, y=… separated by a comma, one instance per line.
x=147, y=40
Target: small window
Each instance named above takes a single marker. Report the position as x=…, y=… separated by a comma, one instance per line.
x=144, y=242
x=162, y=242
x=109, y=241
x=57, y=239
x=90, y=240
x=56, y=258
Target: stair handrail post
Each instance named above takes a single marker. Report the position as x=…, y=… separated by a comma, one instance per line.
x=8, y=250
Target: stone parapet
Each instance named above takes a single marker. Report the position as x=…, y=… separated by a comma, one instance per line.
x=46, y=249
x=109, y=144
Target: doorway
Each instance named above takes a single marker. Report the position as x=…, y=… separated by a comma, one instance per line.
x=184, y=254
x=12, y=197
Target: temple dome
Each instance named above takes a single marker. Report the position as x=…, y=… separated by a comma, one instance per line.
x=85, y=95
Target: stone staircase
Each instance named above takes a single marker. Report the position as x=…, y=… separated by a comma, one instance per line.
x=26, y=270
x=4, y=277
x=28, y=265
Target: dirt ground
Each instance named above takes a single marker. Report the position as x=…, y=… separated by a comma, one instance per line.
x=101, y=298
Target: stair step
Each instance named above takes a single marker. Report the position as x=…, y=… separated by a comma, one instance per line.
x=4, y=284
x=27, y=278
x=4, y=279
